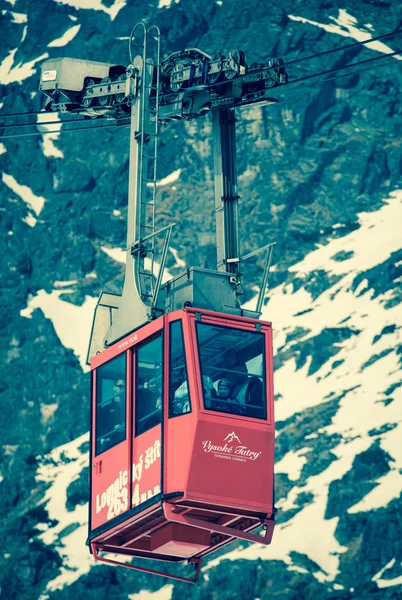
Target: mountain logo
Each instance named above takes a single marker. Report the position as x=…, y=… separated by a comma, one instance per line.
x=232, y=436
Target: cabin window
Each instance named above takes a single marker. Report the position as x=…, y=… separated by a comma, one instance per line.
x=179, y=397
x=232, y=370
x=148, y=392
x=110, y=419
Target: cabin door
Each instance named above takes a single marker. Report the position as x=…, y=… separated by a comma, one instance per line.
x=110, y=468
x=148, y=397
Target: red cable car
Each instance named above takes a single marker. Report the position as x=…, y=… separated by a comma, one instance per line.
x=182, y=438
x=182, y=434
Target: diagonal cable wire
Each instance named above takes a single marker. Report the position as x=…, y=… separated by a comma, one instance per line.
x=70, y=129
x=46, y=123
x=371, y=61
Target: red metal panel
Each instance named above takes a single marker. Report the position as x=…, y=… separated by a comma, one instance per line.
x=232, y=464
x=232, y=456
x=146, y=466
x=110, y=471
x=175, y=539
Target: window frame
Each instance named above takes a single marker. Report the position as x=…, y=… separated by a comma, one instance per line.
x=98, y=378
x=233, y=326
x=158, y=334
x=170, y=414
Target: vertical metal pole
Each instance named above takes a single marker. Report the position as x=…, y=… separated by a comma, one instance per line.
x=226, y=197
x=263, y=286
x=132, y=311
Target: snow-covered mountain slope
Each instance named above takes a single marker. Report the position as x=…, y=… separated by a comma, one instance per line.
x=338, y=356
x=341, y=347
x=319, y=173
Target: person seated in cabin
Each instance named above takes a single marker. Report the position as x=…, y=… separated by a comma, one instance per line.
x=224, y=402
x=238, y=379
x=148, y=404
x=254, y=398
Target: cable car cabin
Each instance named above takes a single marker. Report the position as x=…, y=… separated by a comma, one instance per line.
x=182, y=446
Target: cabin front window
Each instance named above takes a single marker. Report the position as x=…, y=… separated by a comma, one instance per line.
x=110, y=417
x=232, y=363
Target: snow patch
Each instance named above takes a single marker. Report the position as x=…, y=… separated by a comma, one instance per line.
x=179, y=262
x=346, y=26
x=369, y=245
x=65, y=38
x=112, y=10
x=48, y=148
x=292, y=463
x=59, y=468
x=119, y=255
x=169, y=179
x=19, y=72
x=382, y=583
x=164, y=593
x=35, y=203
x=167, y=3
x=388, y=484
x=72, y=323
x=16, y=17
x=62, y=284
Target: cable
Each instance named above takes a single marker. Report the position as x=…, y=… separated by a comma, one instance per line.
x=21, y=114
x=45, y=123
x=338, y=76
x=347, y=47
x=35, y=133
x=336, y=69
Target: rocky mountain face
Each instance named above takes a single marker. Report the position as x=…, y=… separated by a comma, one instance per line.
x=320, y=173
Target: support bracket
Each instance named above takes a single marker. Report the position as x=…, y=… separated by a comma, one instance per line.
x=196, y=562
x=222, y=529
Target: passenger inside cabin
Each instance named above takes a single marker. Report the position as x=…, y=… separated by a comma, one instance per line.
x=149, y=404
x=254, y=397
x=238, y=379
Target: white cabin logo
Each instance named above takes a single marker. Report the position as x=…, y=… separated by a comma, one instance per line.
x=237, y=451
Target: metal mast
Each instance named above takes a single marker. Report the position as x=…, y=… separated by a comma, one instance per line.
x=226, y=193
x=138, y=295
